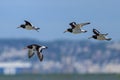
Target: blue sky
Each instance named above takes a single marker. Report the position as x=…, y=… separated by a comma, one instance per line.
x=53, y=18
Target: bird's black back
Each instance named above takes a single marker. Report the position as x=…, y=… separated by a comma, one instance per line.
x=95, y=31
x=27, y=23
x=37, y=46
x=72, y=24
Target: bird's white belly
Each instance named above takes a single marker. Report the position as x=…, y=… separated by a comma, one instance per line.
x=29, y=27
x=101, y=37
x=77, y=31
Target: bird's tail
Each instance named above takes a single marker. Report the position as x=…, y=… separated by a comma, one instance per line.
x=90, y=37
x=36, y=29
x=84, y=31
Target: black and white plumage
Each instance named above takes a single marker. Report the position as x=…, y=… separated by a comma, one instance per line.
x=97, y=35
x=28, y=26
x=76, y=28
x=35, y=48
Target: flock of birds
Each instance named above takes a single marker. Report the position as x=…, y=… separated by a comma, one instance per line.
x=75, y=29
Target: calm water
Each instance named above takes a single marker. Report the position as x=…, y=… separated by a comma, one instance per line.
x=61, y=77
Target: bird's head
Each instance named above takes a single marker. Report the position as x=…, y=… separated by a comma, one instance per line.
x=93, y=36
x=21, y=26
x=90, y=37
x=68, y=30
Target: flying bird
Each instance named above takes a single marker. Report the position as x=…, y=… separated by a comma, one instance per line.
x=99, y=36
x=76, y=28
x=35, y=48
x=28, y=26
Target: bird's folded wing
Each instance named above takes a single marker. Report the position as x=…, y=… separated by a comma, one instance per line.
x=95, y=31
x=72, y=24
x=27, y=23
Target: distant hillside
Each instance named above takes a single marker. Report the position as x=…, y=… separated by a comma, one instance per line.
x=69, y=55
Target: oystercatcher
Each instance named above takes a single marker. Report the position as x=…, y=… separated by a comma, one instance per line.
x=35, y=48
x=76, y=28
x=97, y=35
x=28, y=26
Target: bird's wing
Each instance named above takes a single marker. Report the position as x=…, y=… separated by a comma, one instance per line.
x=39, y=52
x=72, y=24
x=27, y=23
x=78, y=26
x=40, y=56
x=30, y=53
x=95, y=31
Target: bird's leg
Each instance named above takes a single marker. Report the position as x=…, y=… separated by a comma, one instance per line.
x=108, y=39
x=90, y=37
x=36, y=28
